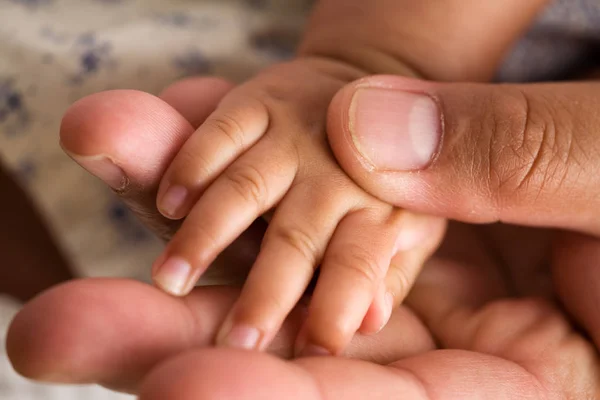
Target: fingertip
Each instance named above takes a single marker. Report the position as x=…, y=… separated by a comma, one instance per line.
x=341, y=123
x=352, y=274
x=252, y=323
x=241, y=336
x=105, y=122
x=311, y=350
x=418, y=237
x=33, y=346
x=211, y=154
x=87, y=331
x=304, y=346
x=123, y=136
x=321, y=340
x=379, y=313
x=173, y=275
x=172, y=201
x=44, y=340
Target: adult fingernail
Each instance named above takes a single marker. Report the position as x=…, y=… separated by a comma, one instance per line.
x=172, y=200
x=395, y=130
x=241, y=337
x=104, y=168
x=173, y=275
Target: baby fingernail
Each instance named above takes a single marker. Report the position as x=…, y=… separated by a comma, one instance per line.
x=311, y=350
x=173, y=276
x=104, y=168
x=389, y=305
x=395, y=130
x=242, y=337
x=173, y=199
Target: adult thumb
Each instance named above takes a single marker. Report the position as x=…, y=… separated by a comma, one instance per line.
x=523, y=154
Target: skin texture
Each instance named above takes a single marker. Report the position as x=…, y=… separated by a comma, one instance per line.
x=264, y=149
x=476, y=324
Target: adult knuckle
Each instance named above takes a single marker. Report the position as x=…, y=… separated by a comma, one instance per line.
x=249, y=182
x=528, y=146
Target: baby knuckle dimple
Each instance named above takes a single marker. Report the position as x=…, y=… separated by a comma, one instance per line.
x=241, y=118
x=356, y=262
x=229, y=127
x=249, y=182
x=300, y=239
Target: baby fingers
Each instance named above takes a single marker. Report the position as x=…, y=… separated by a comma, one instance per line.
x=365, y=272
x=292, y=248
x=248, y=188
x=418, y=239
x=218, y=142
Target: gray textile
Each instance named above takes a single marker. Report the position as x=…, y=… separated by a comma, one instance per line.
x=563, y=42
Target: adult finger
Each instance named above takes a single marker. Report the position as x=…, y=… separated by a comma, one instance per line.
x=113, y=332
x=464, y=299
x=127, y=138
x=525, y=154
x=234, y=374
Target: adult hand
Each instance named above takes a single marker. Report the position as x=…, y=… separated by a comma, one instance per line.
x=460, y=334
x=526, y=155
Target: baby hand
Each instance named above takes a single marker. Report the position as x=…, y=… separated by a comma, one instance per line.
x=265, y=147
